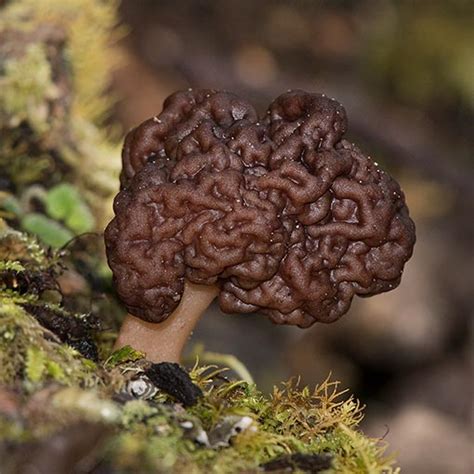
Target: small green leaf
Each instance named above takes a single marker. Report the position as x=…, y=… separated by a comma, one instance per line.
x=35, y=363
x=50, y=232
x=59, y=201
x=80, y=220
x=124, y=354
x=63, y=202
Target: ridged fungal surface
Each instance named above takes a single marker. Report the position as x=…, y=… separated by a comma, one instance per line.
x=281, y=213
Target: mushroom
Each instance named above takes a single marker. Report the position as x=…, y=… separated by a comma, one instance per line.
x=280, y=216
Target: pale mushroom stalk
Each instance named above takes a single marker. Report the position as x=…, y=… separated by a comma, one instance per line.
x=164, y=342
x=290, y=218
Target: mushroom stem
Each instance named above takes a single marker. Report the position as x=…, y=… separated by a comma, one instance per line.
x=164, y=342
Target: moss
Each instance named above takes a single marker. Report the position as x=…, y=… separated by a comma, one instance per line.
x=27, y=86
x=17, y=249
x=26, y=353
x=322, y=421
x=27, y=349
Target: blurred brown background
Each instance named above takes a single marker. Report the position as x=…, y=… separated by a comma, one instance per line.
x=404, y=71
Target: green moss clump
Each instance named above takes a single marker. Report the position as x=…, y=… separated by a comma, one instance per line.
x=25, y=352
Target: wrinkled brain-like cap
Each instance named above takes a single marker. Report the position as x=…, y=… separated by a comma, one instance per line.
x=282, y=214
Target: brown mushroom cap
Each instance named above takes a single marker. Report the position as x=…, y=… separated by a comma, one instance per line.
x=283, y=215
